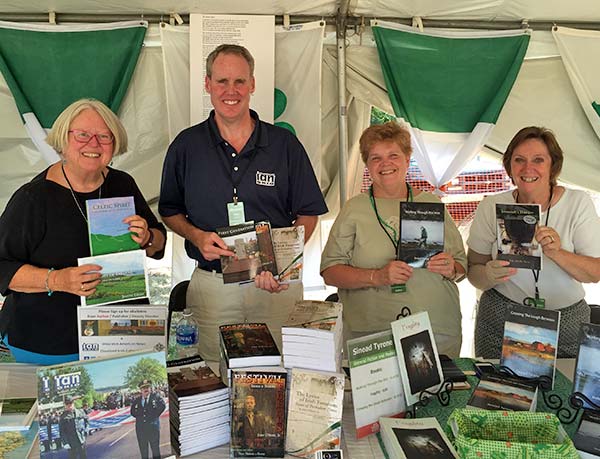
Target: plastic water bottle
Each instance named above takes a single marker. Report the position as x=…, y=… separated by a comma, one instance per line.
x=186, y=333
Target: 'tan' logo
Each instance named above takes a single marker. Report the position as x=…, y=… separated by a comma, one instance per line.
x=265, y=178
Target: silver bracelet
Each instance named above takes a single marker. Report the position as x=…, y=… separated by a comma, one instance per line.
x=50, y=292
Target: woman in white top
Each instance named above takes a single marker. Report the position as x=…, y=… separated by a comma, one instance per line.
x=567, y=234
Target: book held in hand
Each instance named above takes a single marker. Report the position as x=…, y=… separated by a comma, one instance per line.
x=496, y=392
x=587, y=371
x=530, y=341
x=258, y=412
x=516, y=225
x=415, y=439
x=418, y=357
x=375, y=378
x=107, y=231
x=124, y=277
x=107, y=330
x=247, y=345
x=288, y=244
x=421, y=232
x=253, y=248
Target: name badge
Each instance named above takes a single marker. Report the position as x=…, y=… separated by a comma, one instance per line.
x=235, y=213
x=399, y=288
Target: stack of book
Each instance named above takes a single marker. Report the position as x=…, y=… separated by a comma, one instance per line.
x=199, y=406
x=246, y=345
x=312, y=336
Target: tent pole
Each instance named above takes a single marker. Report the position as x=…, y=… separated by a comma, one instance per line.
x=342, y=108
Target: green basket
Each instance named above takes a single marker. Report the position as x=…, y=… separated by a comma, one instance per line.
x=481, y=434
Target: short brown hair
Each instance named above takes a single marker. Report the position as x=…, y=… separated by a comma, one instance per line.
x=58, y=137
x=229, y=49
x=543, y=135
x=387, y=132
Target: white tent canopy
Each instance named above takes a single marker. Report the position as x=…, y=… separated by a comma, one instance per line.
x=542, y=94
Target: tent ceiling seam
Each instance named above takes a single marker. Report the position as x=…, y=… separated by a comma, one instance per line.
x=351, y=21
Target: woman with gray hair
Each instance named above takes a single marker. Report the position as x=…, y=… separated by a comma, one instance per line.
x=44, y=230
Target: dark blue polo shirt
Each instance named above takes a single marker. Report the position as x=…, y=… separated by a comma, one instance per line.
x=274, y=178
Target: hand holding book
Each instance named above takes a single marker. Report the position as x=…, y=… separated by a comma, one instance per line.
x=395, y=272
x=266, y=281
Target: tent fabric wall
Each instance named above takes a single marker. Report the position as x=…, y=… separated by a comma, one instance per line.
x=142, y=113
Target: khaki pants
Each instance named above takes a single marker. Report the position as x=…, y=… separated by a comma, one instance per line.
x=214, y=303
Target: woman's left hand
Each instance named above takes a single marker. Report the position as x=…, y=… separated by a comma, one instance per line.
x=138, y=226
x=548, y=238
x=442, y=263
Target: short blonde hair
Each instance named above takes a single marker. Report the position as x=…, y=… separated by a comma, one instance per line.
x=58, y=137
x=386, y=132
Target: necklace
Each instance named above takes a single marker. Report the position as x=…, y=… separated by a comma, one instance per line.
x=62, y=166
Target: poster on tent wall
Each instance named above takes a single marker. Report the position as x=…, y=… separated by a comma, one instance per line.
x=47, y=67
x=298, y=57
x=450, y=87
x=256, y=33
x=580, y=53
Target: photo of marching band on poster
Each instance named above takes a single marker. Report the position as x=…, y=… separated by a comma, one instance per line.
x=105, y=408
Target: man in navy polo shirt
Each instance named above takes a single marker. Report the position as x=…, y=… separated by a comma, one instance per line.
x=229, y=169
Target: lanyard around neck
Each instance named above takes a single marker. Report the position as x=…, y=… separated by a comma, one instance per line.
x=385, y=226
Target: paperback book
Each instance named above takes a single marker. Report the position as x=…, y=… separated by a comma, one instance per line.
x=109, y=330
x=503, y=393
x=418, y=358
x=375, y=378
x=258, y=413
x=190, y=378
x=530, y=341
x=516, y=225
x=289, y=251
x=253, y=248
x=587, y=437
x=107, y=231
x=124, y=277
x=415, y=439
x=421, y=232
x=17, y=414
x=587, y=370
x=248, y=344
x=314, y=412
x=108, y=397
x=18, y=444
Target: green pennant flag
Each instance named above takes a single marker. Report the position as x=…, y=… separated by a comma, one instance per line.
x=449, y=87
x=47, y=67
